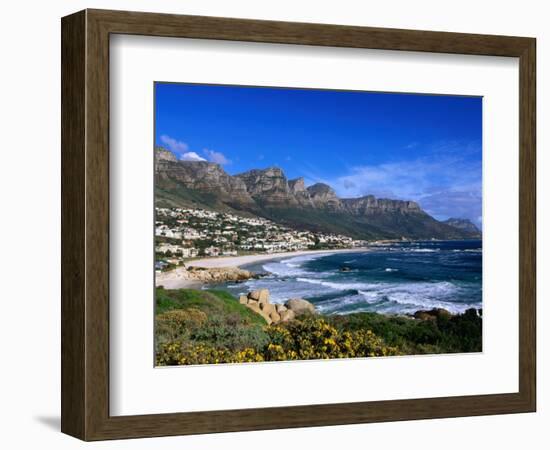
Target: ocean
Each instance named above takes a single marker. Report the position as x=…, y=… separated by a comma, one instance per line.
x=399, y=278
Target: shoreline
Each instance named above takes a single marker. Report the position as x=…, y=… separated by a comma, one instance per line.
x=244, y=260
x=178, y=282
x=176, y=279
x=192, y=277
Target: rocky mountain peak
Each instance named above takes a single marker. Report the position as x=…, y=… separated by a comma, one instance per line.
x=298, y=189
x=162, y=154
x=321, y=189
x=201, y=176
x=322, y=195
x=297, y=185
x=269, y=185
x=274, y=172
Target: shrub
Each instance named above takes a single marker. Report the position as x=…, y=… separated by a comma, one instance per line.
x=177, y=353
x=444, y=334
x=314, y=338
x=308, y=338
x=178, y=323
x=209, y=327
x=207, y=317
x=231, y=333
x=214, y=303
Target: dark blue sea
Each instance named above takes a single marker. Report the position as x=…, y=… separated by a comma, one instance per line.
x=399, y=278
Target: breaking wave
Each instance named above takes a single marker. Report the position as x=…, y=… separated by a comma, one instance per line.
x=404, y=280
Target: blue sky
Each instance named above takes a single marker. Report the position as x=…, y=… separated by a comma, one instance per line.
x=405, y=146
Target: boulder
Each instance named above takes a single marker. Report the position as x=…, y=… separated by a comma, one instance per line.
x=286, y=315
x=440, y=312
x=432, y=314
x=258, y=301
x=254, y=307
x=300, y=306
x=217, y=274
x=267, y=308
x=254, y=295
x=424, y=315
x=274, y=316
x=264, y=296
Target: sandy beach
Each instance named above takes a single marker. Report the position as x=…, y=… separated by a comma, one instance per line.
x=238, y=261
x=174, y=280
x=177, y=278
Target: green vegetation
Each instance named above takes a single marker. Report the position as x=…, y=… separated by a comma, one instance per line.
x=325, y=221
x=216, y=304
x=440, y=333
x=204, y=327
x=387, y=225
x=201, y=327
x=171, y=194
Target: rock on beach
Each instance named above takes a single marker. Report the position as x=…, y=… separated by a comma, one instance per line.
x=258, y=301
x=300, y=306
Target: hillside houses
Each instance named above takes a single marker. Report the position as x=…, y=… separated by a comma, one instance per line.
x=188, y=233
x=165, y=231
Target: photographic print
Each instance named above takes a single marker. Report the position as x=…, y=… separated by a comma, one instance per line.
x=298, y=224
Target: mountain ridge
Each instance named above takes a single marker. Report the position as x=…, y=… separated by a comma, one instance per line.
x=269, y=193
x=463, y=224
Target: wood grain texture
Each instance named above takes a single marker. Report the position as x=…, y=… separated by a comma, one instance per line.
x=201, y=27
x=85, y=224
x=73, y=268
x=97, y=225
x=527, y=224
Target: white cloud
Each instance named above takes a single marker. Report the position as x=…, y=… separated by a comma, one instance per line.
x=174, y=145
x=216, y=157
x=180, y=148
x=191, y=156
x=450, y=203
x=445, y=185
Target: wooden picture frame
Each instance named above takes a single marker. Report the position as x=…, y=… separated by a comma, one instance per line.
x=85, y=224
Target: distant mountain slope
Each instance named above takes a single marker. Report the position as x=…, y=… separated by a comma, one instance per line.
x=464, y=225
x=268, y=193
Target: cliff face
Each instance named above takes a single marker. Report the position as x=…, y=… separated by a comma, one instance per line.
x=268, y=193
x=323, y=196
x=161, y=154
x=301, y=194
x=268, y=186
x=369, y=205
x=204, y=177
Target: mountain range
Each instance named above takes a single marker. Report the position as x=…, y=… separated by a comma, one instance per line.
x=268, y=193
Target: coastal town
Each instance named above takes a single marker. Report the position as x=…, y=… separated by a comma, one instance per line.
x=182, y=234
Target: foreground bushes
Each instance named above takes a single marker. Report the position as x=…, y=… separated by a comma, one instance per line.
x=209, y=327
x=312, y=337
x=201, y=324
x=305, y=338
x=180, y=353
x=443, y=333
